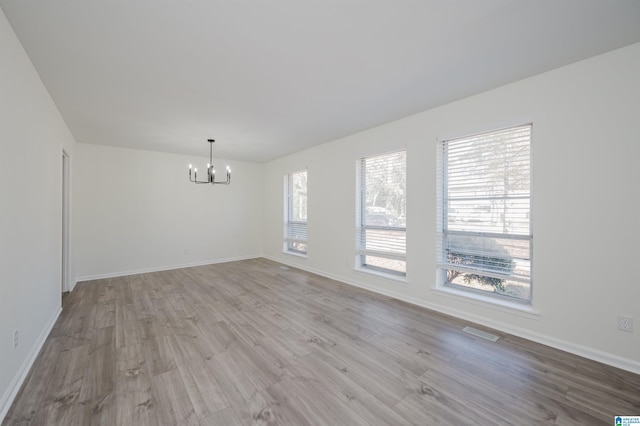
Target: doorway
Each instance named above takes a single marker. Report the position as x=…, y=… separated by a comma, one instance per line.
x=64, y=279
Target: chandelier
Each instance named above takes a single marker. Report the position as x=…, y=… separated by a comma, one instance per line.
x=211, y=172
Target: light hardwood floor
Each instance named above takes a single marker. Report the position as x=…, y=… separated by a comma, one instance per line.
x=254, y=342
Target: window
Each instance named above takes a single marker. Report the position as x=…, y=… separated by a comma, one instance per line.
x=295, y=239
x=382, y=209
x=484, y=221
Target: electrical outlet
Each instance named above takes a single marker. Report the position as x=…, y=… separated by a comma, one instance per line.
x=625, y=323
x=15, y=339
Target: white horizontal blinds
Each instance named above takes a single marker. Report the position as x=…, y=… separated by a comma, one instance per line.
x=484, y=206
x=296, y=232
x=381, y=237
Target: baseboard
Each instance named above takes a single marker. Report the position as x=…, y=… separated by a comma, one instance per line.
x=21, y=375
x=161, y=268
x=583, y=351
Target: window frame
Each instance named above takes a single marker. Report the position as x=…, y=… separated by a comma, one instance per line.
x=289, y=223
x=443, y=232
x=361, y=227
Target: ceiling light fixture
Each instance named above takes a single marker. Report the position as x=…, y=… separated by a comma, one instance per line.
x=211, y=172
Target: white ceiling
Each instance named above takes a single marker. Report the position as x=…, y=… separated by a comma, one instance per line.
x=268, y=78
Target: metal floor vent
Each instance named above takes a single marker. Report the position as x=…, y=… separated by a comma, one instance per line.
x=481, y=334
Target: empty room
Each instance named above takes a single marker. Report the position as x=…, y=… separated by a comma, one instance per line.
x=319, y=212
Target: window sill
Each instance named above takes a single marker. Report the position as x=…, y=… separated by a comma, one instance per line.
x=293, y=253
x=394, y=277
x=499, y=304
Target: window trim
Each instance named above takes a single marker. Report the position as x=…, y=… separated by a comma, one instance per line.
x=442, y=201
x=361, y=228
x=288, y=202
x=482, y=298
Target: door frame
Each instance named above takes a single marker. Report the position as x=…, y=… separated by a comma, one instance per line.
x=66, y=192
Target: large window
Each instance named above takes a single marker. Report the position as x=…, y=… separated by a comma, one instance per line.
x=484, y=204
x=382, y=213
x=295, y=239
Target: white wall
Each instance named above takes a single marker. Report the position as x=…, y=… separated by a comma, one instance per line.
x=136, y=211
x=32, y=136
x=586, y=176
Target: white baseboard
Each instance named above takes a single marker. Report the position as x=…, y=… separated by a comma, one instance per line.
x=583, y=351
x=161, y=268
x=21, y=375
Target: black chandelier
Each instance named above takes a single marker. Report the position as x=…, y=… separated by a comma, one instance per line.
x=211, y=172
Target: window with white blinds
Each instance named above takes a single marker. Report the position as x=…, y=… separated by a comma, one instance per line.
x=295, y=239
x=484, y=212
x=382, y=213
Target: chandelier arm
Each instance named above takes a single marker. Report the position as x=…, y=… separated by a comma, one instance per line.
x=198, y=181
x=223, y=182
x=195, y=179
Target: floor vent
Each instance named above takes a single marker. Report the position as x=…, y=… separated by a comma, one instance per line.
x=481, y=334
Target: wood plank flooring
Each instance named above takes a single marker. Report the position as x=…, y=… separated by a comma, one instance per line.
x=254, y=342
